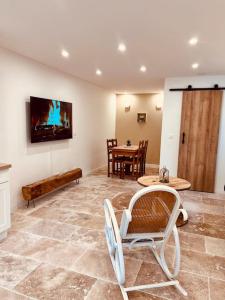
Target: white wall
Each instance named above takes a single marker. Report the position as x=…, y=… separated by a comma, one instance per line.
x=93, y=121
x=171, y=124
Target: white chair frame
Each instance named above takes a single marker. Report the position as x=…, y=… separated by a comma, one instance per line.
x=117, y=239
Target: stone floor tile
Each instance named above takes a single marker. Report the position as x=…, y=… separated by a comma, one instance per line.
x=88, y=238
x=217, y=289
x=11, y=295
x=48, y=282
x=215, y=246
x=214, y=219
x=14, y=268
x=203, y=264
x=51, y=213
x=104, y=290
x=86, y=220
x=146, y=254
x=190, y=241
x=83, y=207
x=51, y=229
x=20, y=242
x=196, y=286
x=108, y=291
x=199, y=206
x=98, y=264
x=21, y=221
x=205, y=229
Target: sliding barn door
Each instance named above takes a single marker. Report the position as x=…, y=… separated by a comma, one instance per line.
x=199, y=132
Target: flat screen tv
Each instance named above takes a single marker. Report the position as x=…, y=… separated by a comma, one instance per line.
x=50, y=120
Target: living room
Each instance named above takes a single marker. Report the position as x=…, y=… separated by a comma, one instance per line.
x=118, y=71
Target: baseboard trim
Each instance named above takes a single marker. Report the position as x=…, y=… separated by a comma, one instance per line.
x=94, y=170
x=154, y=166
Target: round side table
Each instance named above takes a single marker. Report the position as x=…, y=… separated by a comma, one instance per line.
x=178, y=184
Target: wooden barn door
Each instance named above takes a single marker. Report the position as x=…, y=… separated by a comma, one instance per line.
x=200, y=121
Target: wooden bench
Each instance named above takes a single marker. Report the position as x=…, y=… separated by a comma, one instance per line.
x=50, y=184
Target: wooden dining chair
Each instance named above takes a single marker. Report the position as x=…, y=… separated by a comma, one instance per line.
x=110, y=144
x=147, y=223
x=135, y=162
x=144, y=156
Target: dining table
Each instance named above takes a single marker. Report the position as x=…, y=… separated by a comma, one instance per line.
x=123, y=151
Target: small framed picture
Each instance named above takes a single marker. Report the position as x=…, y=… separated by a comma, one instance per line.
x=141, y=117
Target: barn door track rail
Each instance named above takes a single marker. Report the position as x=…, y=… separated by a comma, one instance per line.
x=190, y=88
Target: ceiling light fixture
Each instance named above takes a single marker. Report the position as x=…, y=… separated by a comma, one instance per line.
x=122, y=47
x=143, y=69
x=193, y=41
x=98, y=72
x=195, y=66
x=65, y=53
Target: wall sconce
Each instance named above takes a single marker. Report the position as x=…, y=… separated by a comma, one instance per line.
x=127, y=108
x=158, y=107
x=159, y=102
x=127, y=101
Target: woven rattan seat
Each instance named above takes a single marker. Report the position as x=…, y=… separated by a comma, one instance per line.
x=151, y=212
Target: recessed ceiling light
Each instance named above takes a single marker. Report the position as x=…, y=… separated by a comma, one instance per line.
x=98, y=72
x=65, y=53
x=195, y=66
x=143, y=69
x=193, y=41
x=122, y=47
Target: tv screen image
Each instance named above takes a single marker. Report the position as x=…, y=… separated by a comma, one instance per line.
x=50, y=119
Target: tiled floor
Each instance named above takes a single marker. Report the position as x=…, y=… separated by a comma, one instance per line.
x=57, y=250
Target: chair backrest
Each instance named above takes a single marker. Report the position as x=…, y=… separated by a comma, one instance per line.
x=146, y=149
x=153, y=210
x=141, y=149
x=110, y=144
x=141, y=144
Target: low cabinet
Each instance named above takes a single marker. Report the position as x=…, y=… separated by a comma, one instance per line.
x=4, y=203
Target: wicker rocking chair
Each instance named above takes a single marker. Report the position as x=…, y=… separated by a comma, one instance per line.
x=149, y=221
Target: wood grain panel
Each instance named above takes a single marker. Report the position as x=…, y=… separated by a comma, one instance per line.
x=178, y=184
x=200, y=122
x=42, y=187
x=5, y=166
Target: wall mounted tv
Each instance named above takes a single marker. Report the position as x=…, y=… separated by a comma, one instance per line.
x=50, y=120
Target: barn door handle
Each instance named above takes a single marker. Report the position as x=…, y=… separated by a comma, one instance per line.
x=183, y=138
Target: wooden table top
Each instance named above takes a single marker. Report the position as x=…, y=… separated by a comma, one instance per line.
x=178, y=184
x=4, y=166
x=125, y=148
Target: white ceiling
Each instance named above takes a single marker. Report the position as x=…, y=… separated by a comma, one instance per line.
x=156, y=34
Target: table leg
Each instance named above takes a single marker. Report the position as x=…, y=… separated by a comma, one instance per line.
x=182, y=218
x=113, y=163
x=127, y=169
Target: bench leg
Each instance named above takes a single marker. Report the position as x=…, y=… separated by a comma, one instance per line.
x=28, y=203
